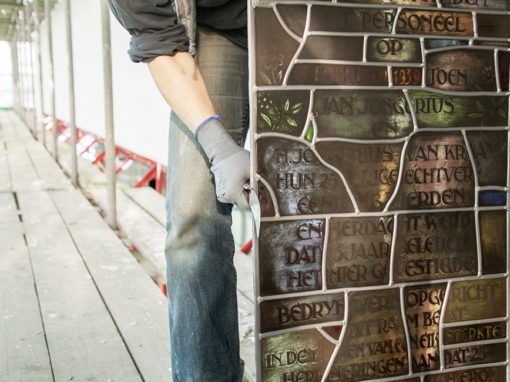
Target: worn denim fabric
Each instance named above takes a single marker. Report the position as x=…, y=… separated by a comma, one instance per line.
x=204, y=330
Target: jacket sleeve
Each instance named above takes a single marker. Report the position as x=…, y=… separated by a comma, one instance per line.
x=153, y=27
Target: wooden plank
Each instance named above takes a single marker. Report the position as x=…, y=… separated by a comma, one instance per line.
x=83, y=342
x=21, y=130
x=5, y=177
x=47, y=169
x=137, y=305
x=23, y=175
x=150, y=200
x=147, y=235
x=23, y=352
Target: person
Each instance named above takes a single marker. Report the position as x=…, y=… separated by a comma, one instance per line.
x=198, y=58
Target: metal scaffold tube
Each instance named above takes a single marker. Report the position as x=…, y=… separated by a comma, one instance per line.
x=111, y=213
x=72, y=107
x=39, y=67
x=47, y=12
x=15, y=74
x=32, y=70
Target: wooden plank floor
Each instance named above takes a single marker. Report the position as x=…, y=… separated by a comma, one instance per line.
x=74, y=303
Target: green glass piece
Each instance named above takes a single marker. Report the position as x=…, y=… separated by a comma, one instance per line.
x=309, y=133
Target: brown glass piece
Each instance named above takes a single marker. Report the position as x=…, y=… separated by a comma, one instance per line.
x=266, y=203
x=394, y=2
x=412, y=21
x=485, y=374
x=333, y=331
x=282, y=111
x=290, y=256
x=302, y=185
x=326, y=74
x=298, y=311
x=435, y=246
x=371, y=171
x=449, y=110
x=272, y=59
x=374, y=345
x=490, y=152
x=504, y=70
x=404, y=76
x=295, y=356
x=390, y=49
x=493, y=25
x=474, y=332
x=337, y=19
x=475, y=355
x=358, y=251
x=477, y=4
x=333, y=48
x=476, y=300
x=461, y=70
x=423, y=306
x=437, y=173
x=294, y=17
x=493, y=231
x=502, y=44
x=362, y=114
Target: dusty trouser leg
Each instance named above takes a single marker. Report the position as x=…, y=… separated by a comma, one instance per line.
x=199, y=247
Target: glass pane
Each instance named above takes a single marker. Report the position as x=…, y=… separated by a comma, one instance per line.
x=411, y=21
x=493, y=231
x=393, y=50
x=489, y=150
x=493, y=26
x=333, y=48
x=324, y=74
x=486, y=374
x=474, y=332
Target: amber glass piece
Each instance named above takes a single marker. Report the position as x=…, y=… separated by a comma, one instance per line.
x=371, y=171
x=298, y=311
x=493, y=25
x=358, y=251
x=490, y=152
x=493, y=231
x=412, y=21
x=477, y=4
x=423, y=306
x=435, y=246
x=295, y=356
x=294, y=17
x=434, y=43
x=437, y=173
x=362, y=114
x=403, y=76
x=282, y=111
x=290, y=256
x=476, y=300
x=333, y=48
x=449, y=110
x=266, y=203
x=374, y=345
x=386, y=49
x=485, y=374
x=337, y=19
x=475, y=355
x=326, y=74
x=302, y=185
x=474, y=332
x=272, y=59
x=504, y=70
x=461, y=70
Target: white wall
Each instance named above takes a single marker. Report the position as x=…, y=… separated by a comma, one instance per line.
x=140, y=113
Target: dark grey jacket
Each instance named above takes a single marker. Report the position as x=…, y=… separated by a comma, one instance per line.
x=164, y=27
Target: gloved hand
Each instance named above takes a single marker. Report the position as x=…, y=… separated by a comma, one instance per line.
x=230, y=163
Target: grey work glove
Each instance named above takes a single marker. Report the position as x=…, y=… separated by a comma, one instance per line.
x=230, y=163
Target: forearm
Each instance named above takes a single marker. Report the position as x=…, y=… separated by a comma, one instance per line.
x=180, y=82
